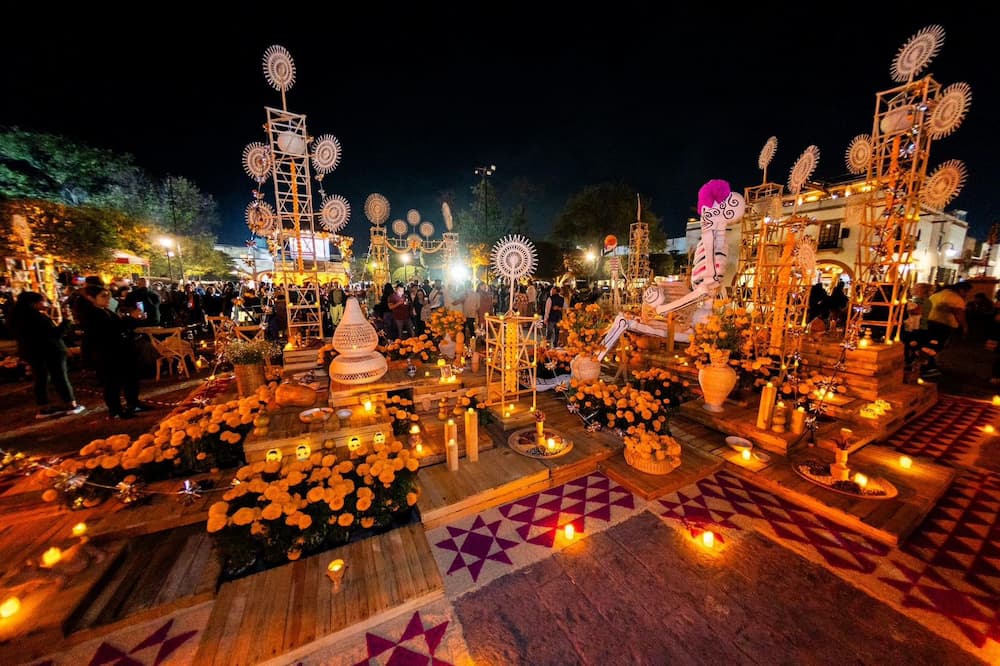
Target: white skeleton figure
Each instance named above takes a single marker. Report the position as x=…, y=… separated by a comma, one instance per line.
x=706, y=276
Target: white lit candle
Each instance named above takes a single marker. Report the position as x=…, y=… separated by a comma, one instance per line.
x=905, y=462
x=452, y=455
x=798, y=420
x=551, y=444
x=708, y=538
x=745, y=454
x=569, y=531
x=472, y=434
x=335, y=572
x=766, y=408
x=540, y=431
x=450, y=431
x=79, y=529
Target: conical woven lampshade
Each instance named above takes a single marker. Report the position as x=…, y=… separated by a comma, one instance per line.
x=355, y=336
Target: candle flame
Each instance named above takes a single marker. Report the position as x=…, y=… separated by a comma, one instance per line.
x=569, y=531
x=79, y=529
x=9, y=607
x=708, y=538
x=51, y=557
x=905, y=462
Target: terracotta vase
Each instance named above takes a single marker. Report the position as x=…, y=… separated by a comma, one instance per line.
x=717, y=381
x=585, y=368
x=249, y=377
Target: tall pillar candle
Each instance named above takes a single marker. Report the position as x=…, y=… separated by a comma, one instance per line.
x=472, y=434
x=766, y=409
x=450, y=431
x=452, y=455
x=540, y=432
x=798, y=420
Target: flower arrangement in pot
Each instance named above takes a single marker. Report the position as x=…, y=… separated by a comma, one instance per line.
x=248, y=358
x=722, y=347
x=584, y=324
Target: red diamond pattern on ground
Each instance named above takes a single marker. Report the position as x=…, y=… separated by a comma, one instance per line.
x=416, y=645
x=475, y=545
x=948, y=432
x=590, y=498
x=160, y=639
x=961, y=534
x=839, y=547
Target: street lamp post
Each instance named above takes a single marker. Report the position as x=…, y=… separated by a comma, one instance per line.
x=170, y=270
x=170, y=244
x=484, y=172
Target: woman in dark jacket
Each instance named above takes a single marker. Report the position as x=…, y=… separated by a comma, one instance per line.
x=40, y=343
x=116, y=356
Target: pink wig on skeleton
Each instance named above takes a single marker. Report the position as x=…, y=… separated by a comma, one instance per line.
x=711, y=193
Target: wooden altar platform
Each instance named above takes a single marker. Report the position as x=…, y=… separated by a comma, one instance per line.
x=157, y=559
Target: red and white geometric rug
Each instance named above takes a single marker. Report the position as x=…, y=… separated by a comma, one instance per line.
x=950, y=432
x=475, y=550
x=946, y=577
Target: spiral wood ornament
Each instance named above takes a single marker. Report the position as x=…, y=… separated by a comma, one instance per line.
x=859, y=154
x=260, y=218
x=767, y=153
x=917, y=53
x=513, y=257
x=803, y=169
x=279, y=68
x=335, y=213
x=944, y=184
x=950, y=110
x=326, y=153
x=377, y=209
x=257, y=161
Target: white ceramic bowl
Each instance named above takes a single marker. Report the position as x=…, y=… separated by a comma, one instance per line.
x=344, y=413
x=738, y=443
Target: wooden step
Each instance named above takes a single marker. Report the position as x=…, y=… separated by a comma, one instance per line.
x=285, y=613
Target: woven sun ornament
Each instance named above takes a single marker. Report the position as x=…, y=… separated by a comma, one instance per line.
x=949, y=110
x=260, y=218
x=513, y=257
x=944, y=184
x=279, y=68
x=767, y=153
x=446, y=214
x=377, y=209
x=257, y=161
x=859, y=154
x=335, y=213
x=803, y=169
x=326, y=153
x=914, y=56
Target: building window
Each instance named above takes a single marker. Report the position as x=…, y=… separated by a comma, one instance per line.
x=829, y=236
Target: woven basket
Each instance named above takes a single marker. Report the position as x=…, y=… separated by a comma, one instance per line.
x=651, y=465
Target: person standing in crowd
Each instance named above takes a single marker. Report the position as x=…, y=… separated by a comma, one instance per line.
x=150, y=301
x=532, y=294
x=946, y=317
x=337, y=300
x=837, y=305
x=116, y=357
x=485, y=306
x=417, y=306
x=819, y=302
x=470, y=309
x=553, y=315
x=400, y=306
x=212, y=302
x=40, y=343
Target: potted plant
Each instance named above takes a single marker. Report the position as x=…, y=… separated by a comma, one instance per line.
x=248, y=358
x=720, y=344
x=583, y=325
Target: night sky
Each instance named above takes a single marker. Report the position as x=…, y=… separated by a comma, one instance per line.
x=660, y=99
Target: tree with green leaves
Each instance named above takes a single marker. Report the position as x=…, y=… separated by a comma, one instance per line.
x=81, y=203
x=599, y=210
